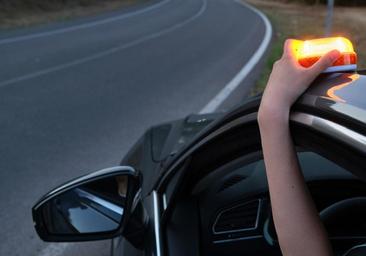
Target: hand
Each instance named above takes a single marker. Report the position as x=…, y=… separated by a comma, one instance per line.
x=289, y=80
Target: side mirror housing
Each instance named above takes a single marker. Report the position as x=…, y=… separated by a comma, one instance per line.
x=93, y=207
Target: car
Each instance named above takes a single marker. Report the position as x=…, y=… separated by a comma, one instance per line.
x=197, y=186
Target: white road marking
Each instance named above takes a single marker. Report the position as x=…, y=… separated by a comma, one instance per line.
x=82, y=26
x=248, y=67
x=106, y=52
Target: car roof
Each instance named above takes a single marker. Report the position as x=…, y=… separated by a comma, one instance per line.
x=339, y=97
x=348, y=88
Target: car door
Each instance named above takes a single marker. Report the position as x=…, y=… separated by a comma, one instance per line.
x=332, y=137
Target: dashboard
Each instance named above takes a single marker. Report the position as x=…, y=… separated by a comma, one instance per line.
x=234, y=208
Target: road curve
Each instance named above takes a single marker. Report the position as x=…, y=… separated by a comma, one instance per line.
x=74, y=96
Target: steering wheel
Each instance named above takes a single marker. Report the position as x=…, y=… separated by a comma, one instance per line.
x=345, y=208
x=335, y=218
x=339, y=215
x=358, y=250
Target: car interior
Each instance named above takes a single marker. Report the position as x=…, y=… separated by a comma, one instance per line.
x=227, y=210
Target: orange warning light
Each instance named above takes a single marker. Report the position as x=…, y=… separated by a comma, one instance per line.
x=310, y=51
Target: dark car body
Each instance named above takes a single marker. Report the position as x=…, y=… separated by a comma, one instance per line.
x=203, y=183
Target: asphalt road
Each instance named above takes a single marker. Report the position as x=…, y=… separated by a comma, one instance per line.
x=74, y=96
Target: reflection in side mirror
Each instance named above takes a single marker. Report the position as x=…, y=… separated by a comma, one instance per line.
x=94, y=207
x=91, y=207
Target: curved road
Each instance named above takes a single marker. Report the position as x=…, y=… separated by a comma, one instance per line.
x=75, y=96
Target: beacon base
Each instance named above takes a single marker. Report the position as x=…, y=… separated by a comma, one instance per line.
x=343, y=68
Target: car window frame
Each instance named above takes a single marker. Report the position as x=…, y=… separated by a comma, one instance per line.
x=302, y=124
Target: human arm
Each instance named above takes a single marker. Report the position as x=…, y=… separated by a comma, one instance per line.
x=299, y=228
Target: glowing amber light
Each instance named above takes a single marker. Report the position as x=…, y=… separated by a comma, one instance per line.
x=310, y=51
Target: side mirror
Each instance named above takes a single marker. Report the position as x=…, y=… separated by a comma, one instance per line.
x=92, y=207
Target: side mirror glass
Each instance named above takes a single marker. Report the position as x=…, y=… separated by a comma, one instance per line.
x=95, y=206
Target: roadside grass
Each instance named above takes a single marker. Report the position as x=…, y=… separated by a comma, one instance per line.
x=25, y=13
x=297, y=20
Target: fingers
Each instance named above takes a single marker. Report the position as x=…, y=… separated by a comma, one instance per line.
x=290, y=49
x=324, y=62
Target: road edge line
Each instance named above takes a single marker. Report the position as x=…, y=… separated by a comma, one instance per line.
x=243, y=73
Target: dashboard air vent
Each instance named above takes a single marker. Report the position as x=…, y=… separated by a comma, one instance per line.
x=238, y=218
